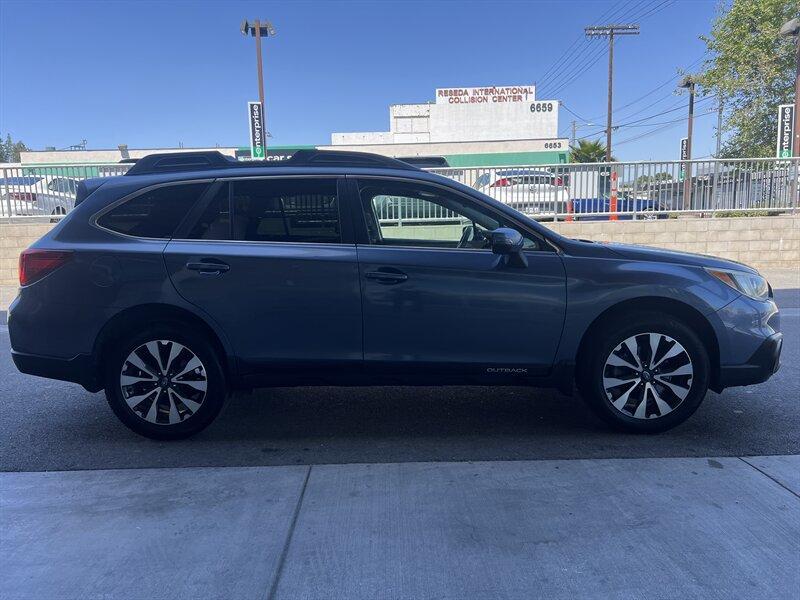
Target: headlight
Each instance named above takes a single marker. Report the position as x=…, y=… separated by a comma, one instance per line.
x=748, y=284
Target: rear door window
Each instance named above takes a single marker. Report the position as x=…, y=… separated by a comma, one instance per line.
x=286, y=210
x=155, y=213
x=215, y=222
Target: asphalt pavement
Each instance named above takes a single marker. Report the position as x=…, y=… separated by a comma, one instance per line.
x=630, y=529
x=48, y=425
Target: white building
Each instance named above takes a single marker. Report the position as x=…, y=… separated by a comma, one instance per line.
x=496, y=125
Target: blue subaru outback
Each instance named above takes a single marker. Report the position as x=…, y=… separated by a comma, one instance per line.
x=194, y=275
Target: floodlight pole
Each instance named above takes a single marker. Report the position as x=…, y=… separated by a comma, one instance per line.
x=259, y=29
x=259, y=62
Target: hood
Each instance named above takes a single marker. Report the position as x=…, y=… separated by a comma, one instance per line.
x=647, y=253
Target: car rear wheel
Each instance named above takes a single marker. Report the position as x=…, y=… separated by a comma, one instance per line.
x=165, y=382
x=647, y=373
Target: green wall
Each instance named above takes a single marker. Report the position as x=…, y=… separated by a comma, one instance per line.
x=504, y=159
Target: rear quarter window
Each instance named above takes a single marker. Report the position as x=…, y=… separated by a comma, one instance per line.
x=155, y=213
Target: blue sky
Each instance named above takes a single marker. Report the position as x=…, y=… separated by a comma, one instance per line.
x=152, y=74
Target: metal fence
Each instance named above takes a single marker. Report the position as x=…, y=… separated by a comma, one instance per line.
x=639, y=190
x=46, y=191
x=621, y=190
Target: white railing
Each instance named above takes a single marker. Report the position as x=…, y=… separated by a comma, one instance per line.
x=46, y=191
x=624, y=190
x=639, y=190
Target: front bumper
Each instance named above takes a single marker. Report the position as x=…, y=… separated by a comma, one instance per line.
x=78, y=369
x=764, y=362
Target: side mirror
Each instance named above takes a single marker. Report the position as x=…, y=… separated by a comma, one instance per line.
x=509, y=242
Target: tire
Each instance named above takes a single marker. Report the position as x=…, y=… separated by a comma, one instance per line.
x=58, y=211
x=660, y=394
x=165, y=404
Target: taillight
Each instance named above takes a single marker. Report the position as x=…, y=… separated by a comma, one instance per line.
x=504, y=182
x=559, y=181
x=22, y=196
x=35, y=264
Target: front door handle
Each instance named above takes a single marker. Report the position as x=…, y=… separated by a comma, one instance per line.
x=208, y=268
x=386, y=276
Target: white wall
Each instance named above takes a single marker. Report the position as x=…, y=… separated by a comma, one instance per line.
x=475, y=117
x=101, y=156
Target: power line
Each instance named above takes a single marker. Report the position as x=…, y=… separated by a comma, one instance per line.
x=559, y=80
x=664, y=112
x=682, y=119
x=580, y=71
x=636, y=123
x=670, y=125
x=572, y=112
x=570, y=50
x=655, y=89
x=563, y=80
x=661, y=6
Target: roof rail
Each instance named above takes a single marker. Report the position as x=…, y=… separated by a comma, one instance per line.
x=174, y=162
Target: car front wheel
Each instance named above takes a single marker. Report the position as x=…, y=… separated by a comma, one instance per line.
x=165, y=382
x=645, y=374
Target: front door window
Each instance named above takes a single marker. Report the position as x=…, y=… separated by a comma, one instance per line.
x=402, y=213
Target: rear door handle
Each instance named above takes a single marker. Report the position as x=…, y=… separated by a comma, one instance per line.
x=386, y=276
x=208, y=268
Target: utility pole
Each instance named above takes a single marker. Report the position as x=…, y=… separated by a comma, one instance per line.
x=688, y=83
x=715, y=191
x=574, y=140
x=610, y=31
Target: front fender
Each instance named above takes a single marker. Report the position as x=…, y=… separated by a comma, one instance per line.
x=595, y=285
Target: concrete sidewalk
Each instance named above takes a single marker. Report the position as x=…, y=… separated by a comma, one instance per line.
x=632, y=528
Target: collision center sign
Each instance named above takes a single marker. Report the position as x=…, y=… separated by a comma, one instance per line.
x=785, y=130
x=486, y=95
x=258, y=149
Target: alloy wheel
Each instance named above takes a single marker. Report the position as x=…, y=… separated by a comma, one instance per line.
x=647, y=376
x=163, y=382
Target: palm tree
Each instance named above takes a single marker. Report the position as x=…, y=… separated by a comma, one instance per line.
x=588, y=152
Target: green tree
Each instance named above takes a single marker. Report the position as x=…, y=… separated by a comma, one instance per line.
x=752, y=69
x=9, y=150
x=588, y=152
